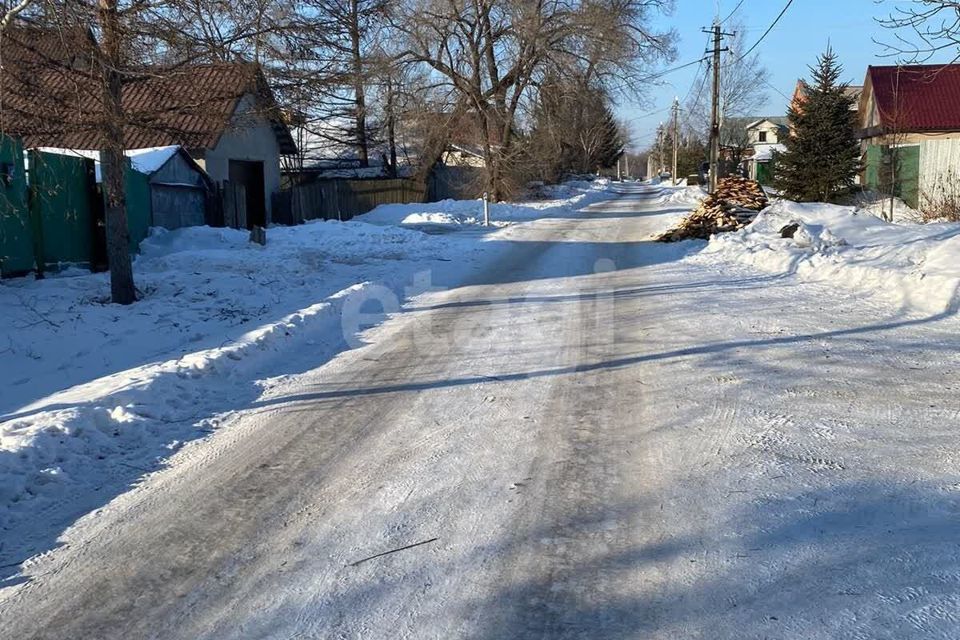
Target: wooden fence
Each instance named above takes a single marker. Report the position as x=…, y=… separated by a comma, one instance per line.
x=342, y=199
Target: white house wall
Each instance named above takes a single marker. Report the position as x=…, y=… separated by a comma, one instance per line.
x=250, y=137
x=938, y=158
x=772, y=131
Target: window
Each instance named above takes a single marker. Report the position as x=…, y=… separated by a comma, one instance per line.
x=763, y=136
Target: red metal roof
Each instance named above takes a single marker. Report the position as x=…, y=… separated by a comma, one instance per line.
x=917, y=97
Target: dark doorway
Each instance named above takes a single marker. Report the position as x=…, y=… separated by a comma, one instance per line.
x=250, y=174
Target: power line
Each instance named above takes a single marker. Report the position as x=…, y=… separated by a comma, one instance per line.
x=697, y=75
x=769, y=84
x=703, y=84
x=647, y=115
x=660, y=74
x=735, y=9
x=767, y=32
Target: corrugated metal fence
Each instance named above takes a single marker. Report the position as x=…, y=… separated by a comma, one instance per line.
x=56, y=217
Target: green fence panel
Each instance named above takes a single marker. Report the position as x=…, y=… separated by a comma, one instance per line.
x=874, y=160
x=880, y=167
x=60, y=197
x=16, y=238
x=139, y=213
x=908, y=181
x=765, y=173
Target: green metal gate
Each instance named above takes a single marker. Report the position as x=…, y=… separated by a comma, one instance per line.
x=908, y=182
x=903, y=162
x=60, y=208
x=16, y=238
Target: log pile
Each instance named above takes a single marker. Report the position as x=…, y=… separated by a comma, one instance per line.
x=734, y=205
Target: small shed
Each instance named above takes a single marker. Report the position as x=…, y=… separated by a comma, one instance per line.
x=179, y=189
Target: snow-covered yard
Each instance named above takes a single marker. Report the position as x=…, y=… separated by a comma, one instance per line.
x=94, y=395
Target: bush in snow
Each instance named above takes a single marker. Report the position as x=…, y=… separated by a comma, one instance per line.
x=942, y=202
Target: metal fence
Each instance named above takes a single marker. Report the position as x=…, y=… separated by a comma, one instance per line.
x=52, y=211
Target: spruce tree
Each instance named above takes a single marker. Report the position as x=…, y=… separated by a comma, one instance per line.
x=822, y=158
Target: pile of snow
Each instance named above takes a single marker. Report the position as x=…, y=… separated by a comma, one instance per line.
x=879, y=205
x=92, y=394
x=915, y=265
x=560, y=199
x=682, y=196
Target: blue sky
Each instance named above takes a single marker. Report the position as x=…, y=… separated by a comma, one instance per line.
x=795, y=42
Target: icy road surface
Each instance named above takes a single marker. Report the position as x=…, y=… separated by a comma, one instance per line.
x=599, y=438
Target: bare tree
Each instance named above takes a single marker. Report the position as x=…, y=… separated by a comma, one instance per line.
x=75, y=63
x=112, y=158
x=491, y=54
x=10, y=14
x=574, y=131
x=923, y=28
x=340, y=43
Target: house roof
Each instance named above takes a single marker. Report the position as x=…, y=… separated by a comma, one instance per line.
x=51, y=96
x=764, y=152
x=800, y=94
x=780, y=121
x=917, y=97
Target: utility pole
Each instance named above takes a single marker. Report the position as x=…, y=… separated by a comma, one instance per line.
x=676, y=137
x=660, y=163
x=715, y=117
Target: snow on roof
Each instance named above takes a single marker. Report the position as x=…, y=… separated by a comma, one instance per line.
x=146, y=161
x=151, y=159
x=765, y=152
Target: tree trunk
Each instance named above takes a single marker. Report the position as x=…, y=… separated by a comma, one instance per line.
x=112, y=159
x=391, y=125
x=360, y=100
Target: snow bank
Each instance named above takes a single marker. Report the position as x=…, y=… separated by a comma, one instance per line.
x=878, y=205
x=92, y=395
x=915, y=265
x=682, y=196
x=560, y=199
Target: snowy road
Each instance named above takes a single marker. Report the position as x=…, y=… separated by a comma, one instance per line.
x=600, y=437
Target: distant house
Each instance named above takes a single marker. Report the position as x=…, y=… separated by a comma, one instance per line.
x=461, y=155
x=800, y=95
x=327, y=149
x=765, y=136
x=768, y=130
x=224, y=115
x=910, y=119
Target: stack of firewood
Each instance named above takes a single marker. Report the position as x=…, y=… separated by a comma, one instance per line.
x=734, y=205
